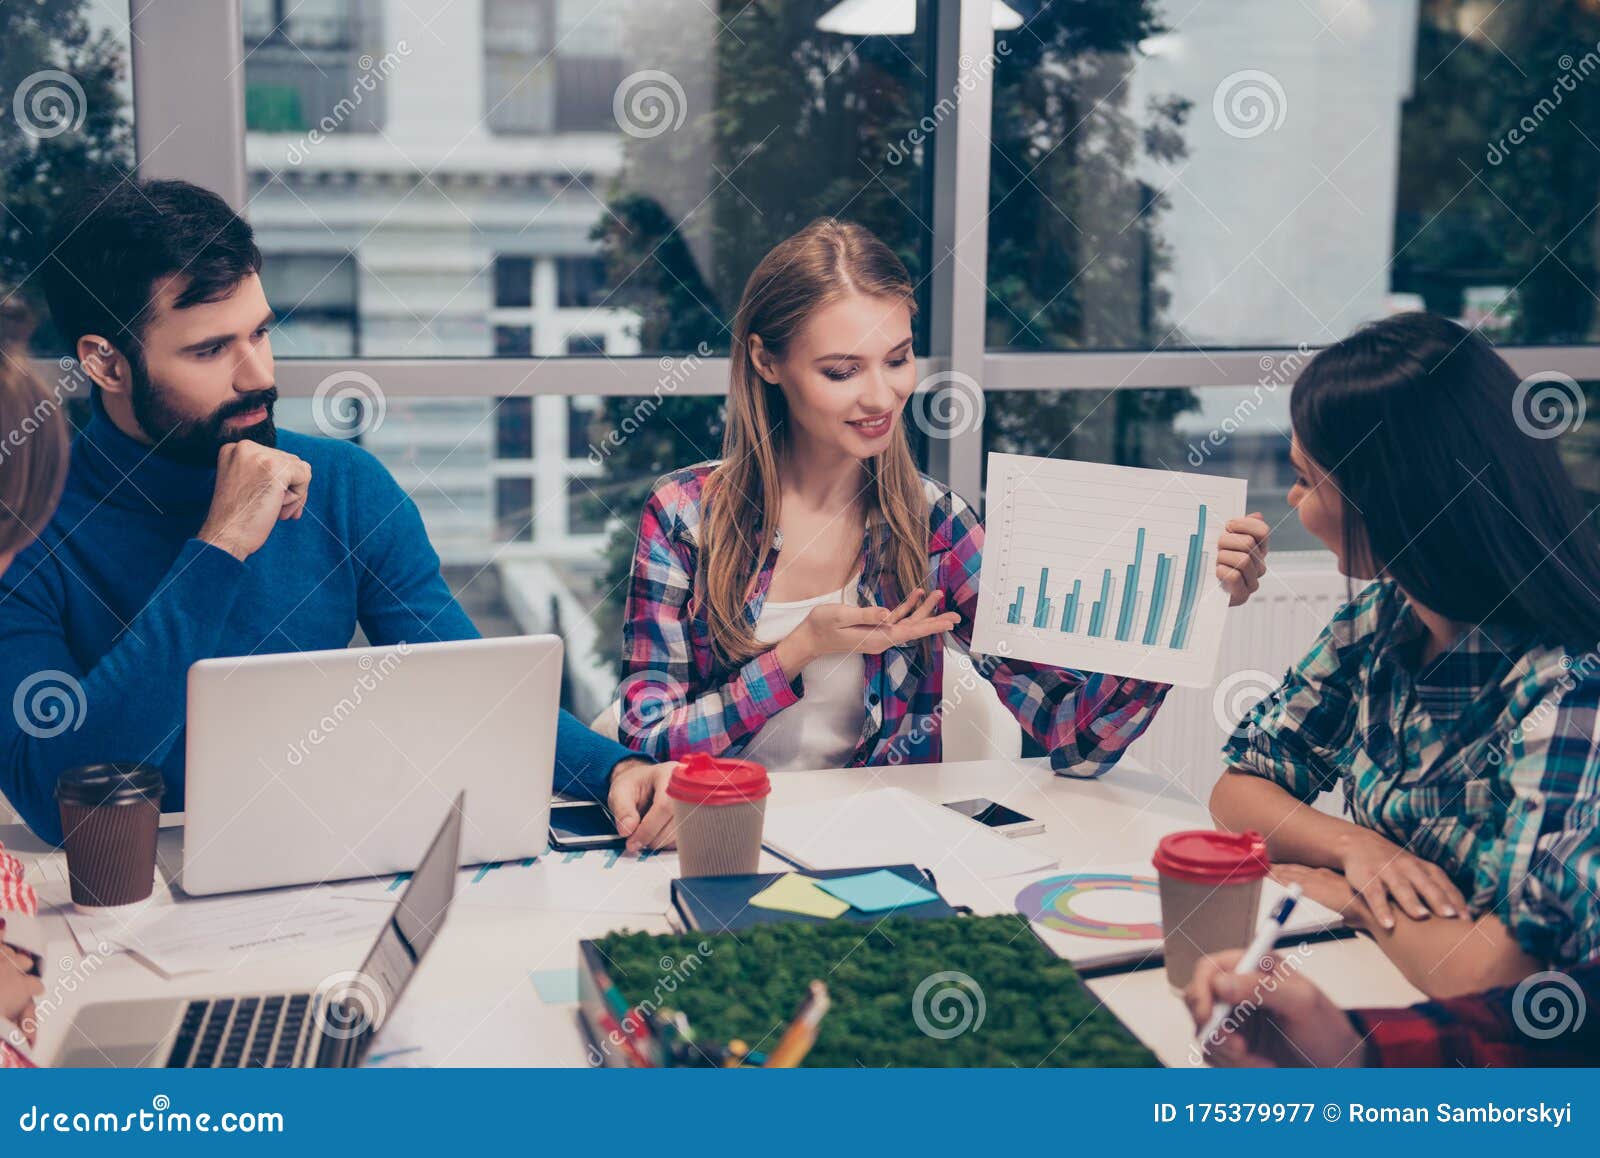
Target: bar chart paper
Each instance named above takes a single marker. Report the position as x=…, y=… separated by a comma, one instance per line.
x=1104, y=568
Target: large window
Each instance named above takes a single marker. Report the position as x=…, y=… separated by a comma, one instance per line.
x=1254, y=173
x=572, y=167
x=522, y=218
x=557, y=179
x=67, y=126
x=1235, y=431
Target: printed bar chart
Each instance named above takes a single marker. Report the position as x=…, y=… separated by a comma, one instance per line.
x=1141, y=544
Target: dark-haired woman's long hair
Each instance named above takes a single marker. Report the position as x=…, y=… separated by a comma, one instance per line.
x=1444, y=489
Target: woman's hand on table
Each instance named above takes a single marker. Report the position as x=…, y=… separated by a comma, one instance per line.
x=1329, y=888
x=1387, y=877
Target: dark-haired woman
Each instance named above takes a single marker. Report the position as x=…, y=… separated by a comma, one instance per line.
x=1455, y=698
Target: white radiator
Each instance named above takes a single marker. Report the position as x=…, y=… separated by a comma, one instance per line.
x=1299, y=595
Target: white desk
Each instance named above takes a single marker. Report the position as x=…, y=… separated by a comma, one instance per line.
x=473, y=1002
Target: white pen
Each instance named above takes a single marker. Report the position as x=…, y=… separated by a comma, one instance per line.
x=1266, y=937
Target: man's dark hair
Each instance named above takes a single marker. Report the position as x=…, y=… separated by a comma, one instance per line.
x=108, y=250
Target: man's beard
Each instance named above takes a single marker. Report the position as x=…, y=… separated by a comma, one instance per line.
x=195, y=442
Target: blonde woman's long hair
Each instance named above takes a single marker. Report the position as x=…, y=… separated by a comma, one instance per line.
x=824, y=262
x=33, y=437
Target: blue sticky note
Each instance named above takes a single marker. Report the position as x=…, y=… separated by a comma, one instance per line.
x=876, y=891
x=556, y=986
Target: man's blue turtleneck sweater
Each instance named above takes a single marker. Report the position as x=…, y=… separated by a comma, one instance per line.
x=118, y=598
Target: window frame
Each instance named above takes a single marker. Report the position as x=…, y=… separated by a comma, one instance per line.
x=188, y=84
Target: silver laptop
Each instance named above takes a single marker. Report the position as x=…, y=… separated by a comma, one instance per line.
x=329, y=765
x=332, y=1027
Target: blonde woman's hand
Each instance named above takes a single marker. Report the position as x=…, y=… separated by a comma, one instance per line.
x=1242, y=556
x=835, y=628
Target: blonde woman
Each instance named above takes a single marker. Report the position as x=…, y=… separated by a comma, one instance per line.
x=33, y=466
x=787, y=602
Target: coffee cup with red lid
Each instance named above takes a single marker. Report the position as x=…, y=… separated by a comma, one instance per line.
x=1210, y=886
x=720, y=807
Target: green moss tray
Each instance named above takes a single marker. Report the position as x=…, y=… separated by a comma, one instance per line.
x=972, y=991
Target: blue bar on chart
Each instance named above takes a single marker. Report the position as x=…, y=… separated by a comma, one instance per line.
x=1191, y=583
x=1014, y=612
x=1158, y=597
x=1130, y=591
x=1041, y=605
x=1097, y=616
x=1069, y=613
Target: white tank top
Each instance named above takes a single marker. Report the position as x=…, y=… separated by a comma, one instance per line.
x=824, y=727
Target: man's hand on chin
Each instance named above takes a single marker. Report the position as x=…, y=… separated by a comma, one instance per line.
x=638, y=801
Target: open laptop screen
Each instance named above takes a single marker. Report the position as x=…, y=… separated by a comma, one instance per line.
x=416, y=921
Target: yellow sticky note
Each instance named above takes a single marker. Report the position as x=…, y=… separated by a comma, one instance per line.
x=793, y=893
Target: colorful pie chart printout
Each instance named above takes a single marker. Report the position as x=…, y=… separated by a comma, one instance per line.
x=1068, y=904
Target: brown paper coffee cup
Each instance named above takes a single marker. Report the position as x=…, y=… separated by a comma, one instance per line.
x=1210, y=885
x=720, y=807
x=110, y=814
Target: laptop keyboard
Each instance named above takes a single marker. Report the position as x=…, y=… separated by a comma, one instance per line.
x=274, y=1032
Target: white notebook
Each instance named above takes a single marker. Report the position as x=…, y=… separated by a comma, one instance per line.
x=892, y=826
